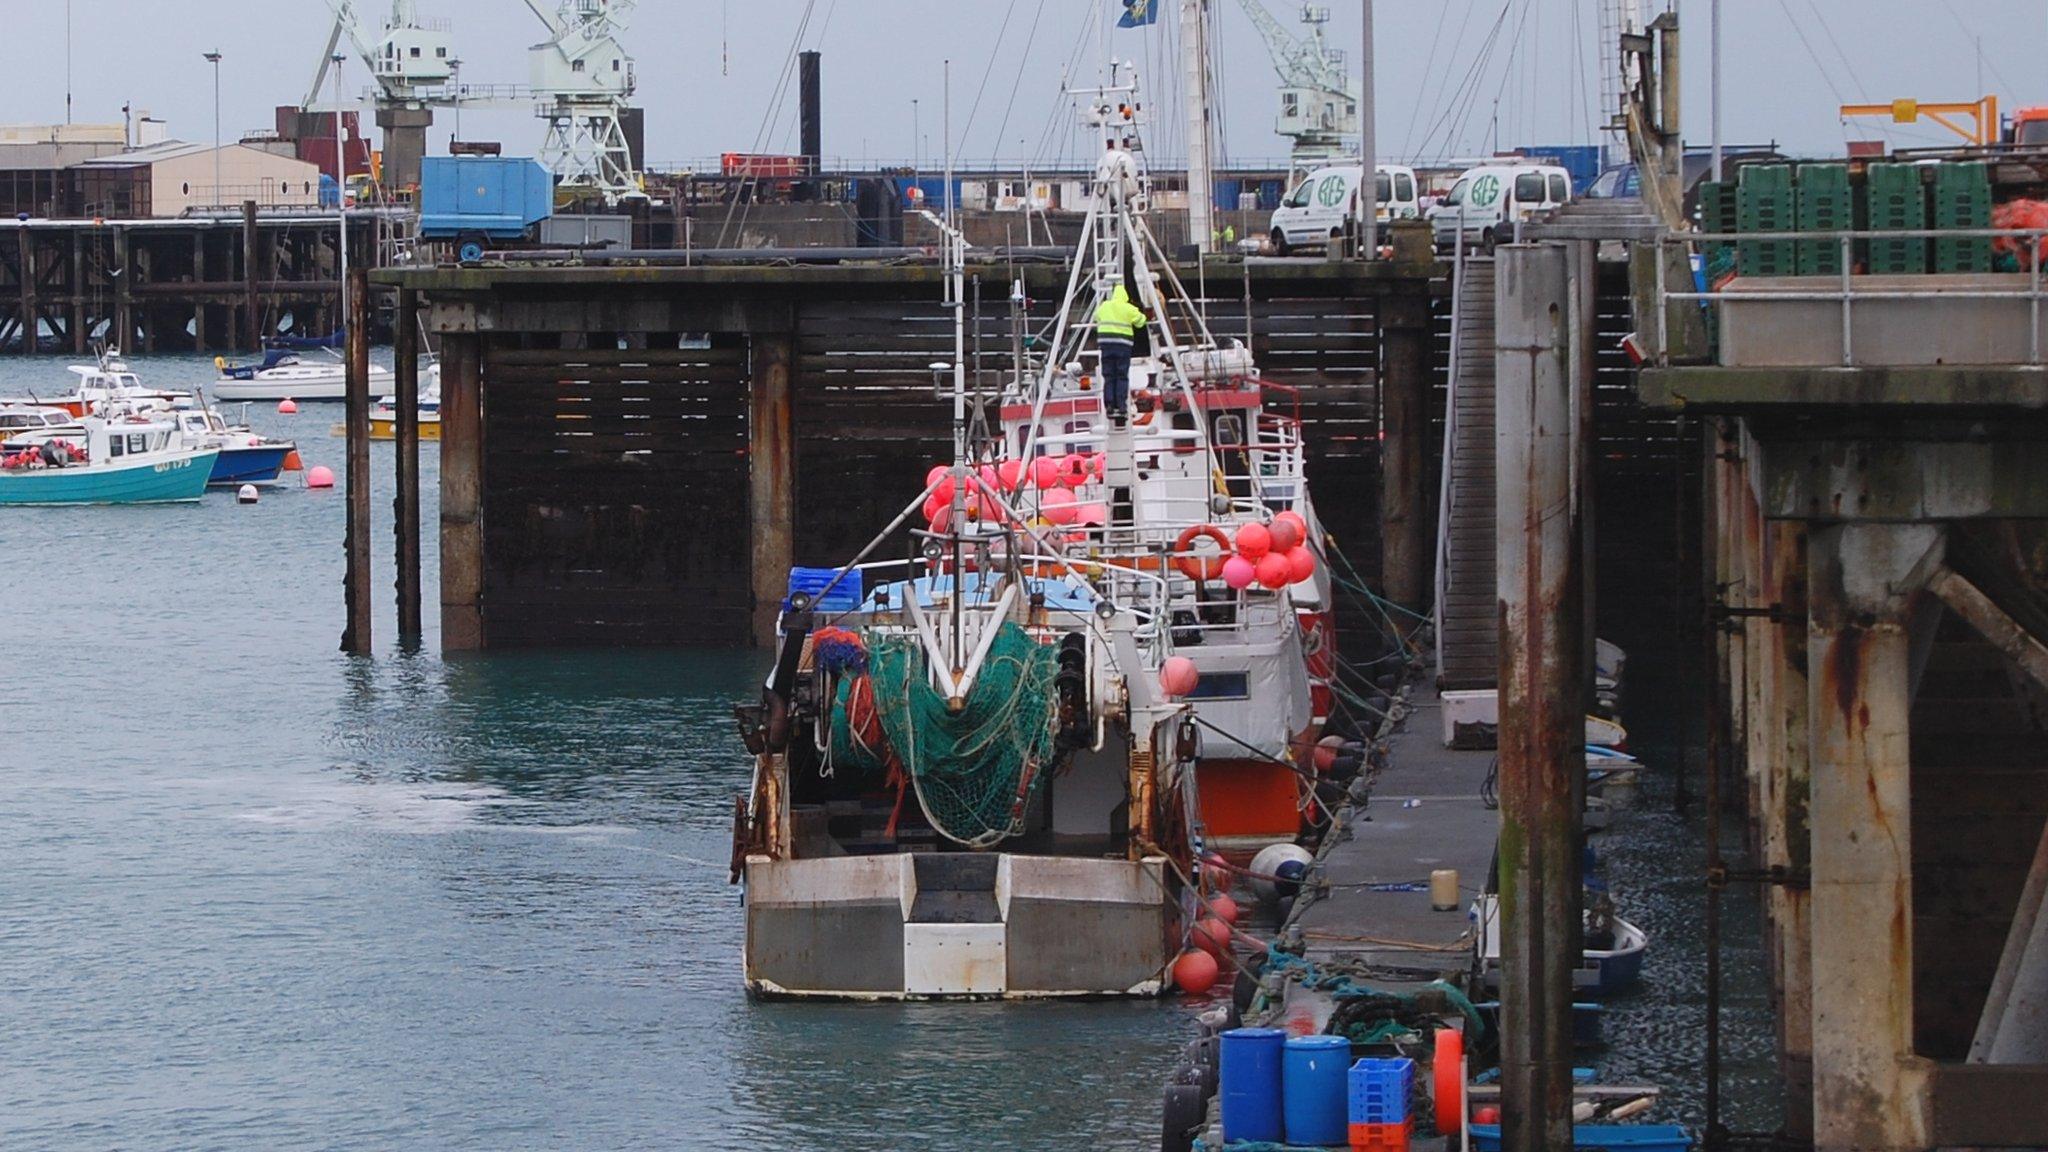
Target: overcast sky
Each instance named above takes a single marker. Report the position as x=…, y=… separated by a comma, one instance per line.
x=709, y=69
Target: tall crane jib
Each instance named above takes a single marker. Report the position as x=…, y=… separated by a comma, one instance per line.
x=1318, y=97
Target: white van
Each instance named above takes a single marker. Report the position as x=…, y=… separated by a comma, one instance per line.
x=1315, y=211
x=1494, y=198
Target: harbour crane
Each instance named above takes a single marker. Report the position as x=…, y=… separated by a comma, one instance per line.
x=411, y=60
x=1318, y=100
x=582, y=78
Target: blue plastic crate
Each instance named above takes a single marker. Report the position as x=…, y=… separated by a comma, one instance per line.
x=845, y=596
x=1381, y=1089
x=1603, y=1138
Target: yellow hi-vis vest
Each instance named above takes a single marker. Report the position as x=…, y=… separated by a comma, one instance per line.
x=1116, y=318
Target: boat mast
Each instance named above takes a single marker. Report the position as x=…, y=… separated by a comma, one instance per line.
x=340, y=191
x=1194, y=30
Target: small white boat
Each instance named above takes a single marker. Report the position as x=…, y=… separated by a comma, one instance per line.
x=284, y=375
x=106, y=383
x=1612, y=960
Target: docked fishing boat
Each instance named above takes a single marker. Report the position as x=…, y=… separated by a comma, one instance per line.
x=283, y=374
x=28, y=419
x=137, y=459
x=384, y=413
x=986, y=765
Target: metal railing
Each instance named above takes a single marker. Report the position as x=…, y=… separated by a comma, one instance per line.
x=1847, y=291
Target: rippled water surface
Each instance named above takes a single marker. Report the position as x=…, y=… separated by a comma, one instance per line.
x=255, y=894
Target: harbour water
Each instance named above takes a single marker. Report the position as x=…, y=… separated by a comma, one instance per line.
x=255, y=894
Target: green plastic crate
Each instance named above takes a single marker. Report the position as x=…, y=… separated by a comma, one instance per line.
x=1962, y=199
x=1824, y=205
x=1717, y=214
x=1764, y=203
x=1895, y=200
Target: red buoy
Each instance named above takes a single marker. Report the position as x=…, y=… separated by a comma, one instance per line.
x=1212, y=936
x=287, y=407
x=1195, y=971
x=1253, y=541
x=1223, y=907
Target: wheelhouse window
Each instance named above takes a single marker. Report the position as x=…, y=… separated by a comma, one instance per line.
x=114, y=445
x=137, y=442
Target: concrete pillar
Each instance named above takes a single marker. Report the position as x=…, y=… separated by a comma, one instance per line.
x=406, y=498
x=1407, y=533
x=405, y=142
x=1782, y=721
x=771, y=447
x=462, y=531
x=1542, y=692
x=355, y=638
x=1869, y=1091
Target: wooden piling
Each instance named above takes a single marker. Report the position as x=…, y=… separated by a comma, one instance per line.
x=355, y=638
x=1542, y=693
x=252, y=304
x=123, y=327
x=406, y=501
x=771, y=476
x=28, y=292
x=198, y=277
x=462, y=532
x=79, y=324
x=1406, y=529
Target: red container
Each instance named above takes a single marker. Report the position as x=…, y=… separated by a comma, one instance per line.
x=1382, y=1137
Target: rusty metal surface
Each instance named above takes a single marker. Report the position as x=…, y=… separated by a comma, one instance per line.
x=1542, y=691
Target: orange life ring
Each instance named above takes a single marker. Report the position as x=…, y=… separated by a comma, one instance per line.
x=1200, y=568
x=1448, y=1072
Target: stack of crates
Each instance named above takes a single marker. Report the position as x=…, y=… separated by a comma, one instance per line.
x=1379, y=1095
x=1764, y=203
x=1717, y=214
x=1962, y=199
x=1896, y=202
x=1824, y=206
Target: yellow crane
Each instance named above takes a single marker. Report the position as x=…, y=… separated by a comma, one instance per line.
x=1981, y=128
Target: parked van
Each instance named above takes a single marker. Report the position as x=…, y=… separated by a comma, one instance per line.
x=1314, y=213
x=1493, y=198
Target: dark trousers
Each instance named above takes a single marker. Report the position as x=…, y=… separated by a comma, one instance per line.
x=1116, y=375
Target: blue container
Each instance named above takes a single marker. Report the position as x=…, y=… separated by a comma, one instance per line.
x=1312, y=1090
x=1248, y=1081
x=845, y=595
x=1603, y=1138
x=498, y=197
x=1381, y=1090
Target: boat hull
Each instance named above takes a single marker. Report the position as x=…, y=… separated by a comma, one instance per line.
x=257, y=465
x=957, y=926
x=162, y=481
x=322, y=386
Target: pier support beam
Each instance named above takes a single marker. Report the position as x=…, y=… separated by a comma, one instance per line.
x=79, y=322
x=1870, y=1091
x=1406, y=534
x=406, y=499
x=1542, y=692
x=121, y=331
x=252, y=305
x=198, y=277
x=771, y=456
x=462, y=527
x=28, y=291
x=1786, y=785
x=355, y=637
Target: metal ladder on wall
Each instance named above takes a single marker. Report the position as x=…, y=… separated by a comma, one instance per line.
x=1468, y=613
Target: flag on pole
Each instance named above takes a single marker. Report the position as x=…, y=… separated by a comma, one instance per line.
x=1138, y=13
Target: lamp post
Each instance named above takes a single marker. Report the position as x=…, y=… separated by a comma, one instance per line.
x=213, y=58
x=915, y=173
x=455, y=80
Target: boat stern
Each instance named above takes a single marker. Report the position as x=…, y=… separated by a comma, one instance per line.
x=959, y=925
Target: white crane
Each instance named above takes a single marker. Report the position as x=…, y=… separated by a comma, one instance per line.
x=582, y=78
x=411, y=59
x=1318, y=99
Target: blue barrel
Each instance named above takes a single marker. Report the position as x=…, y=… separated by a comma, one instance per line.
x=1248, y=1080
x=1314, y=1090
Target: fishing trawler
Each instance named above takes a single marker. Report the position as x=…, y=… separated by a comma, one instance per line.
x=986, y=766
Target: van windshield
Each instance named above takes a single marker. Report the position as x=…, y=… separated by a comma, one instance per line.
x=1457, y=193
x=1299, y=197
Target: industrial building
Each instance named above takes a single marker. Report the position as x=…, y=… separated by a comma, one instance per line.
x=174, y=177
